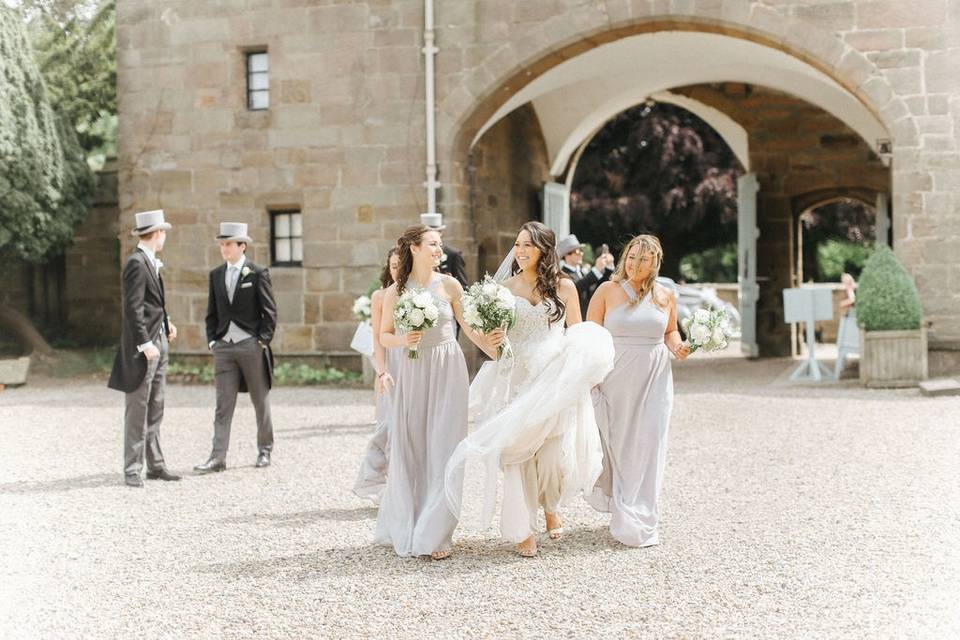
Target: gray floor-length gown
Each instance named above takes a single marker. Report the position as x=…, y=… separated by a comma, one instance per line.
x=372, y=477
x=633, y=407
x=429, y=419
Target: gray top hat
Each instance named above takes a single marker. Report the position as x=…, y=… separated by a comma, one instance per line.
x=567, y=244
x=148, y=222
x=236, y=231
x=433, y=220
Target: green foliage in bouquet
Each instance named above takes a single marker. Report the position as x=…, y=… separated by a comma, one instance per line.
x=887, y=299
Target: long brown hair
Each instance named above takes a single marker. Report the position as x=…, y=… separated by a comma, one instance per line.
x=385, y=278
x=645, y=244
x=411, y=236
x=548, y=266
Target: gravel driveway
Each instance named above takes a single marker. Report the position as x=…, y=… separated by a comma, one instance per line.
x=788, y=512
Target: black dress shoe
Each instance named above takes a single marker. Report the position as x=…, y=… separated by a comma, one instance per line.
x=263, y=460
x=133, y=481
x=211, y=466
x=163, y=474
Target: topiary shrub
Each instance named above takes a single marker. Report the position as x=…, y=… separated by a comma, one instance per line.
x=887, y=299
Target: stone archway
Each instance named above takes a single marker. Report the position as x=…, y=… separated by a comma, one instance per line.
x=468, y=112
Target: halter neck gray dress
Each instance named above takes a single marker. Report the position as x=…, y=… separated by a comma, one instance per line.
x=427, y=421
x=633, y=407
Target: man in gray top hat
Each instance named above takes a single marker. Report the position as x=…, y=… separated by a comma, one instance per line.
x=241, y=320
x=587, y=280
x=140, y=367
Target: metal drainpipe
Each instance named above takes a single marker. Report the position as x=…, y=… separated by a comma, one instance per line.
x=429, y=51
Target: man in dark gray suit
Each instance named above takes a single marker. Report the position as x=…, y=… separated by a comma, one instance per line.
x=140, y=367
x=241, y=320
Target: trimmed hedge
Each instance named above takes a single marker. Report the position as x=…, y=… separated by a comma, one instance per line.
x=887, y=299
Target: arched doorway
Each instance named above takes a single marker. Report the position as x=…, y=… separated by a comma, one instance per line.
x=571, y=92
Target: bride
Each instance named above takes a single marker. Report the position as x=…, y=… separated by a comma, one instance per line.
x=533, y=411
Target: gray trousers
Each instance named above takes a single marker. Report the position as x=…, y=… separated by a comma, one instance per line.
x=230, y=361
x=143, y=414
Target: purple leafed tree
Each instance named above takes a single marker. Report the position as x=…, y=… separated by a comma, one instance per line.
x=657, y=169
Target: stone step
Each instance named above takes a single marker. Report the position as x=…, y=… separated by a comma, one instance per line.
x=940, y=387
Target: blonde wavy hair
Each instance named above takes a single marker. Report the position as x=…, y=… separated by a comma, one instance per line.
x=646, y=244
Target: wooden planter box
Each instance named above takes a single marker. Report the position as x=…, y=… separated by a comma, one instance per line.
x=893, y=358
x=13, y=371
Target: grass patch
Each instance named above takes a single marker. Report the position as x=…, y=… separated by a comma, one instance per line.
x=286, y=374
x=74, y=363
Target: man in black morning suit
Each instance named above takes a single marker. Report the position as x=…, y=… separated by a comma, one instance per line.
x=570, y=252
x=140, y=367
x=241, y=320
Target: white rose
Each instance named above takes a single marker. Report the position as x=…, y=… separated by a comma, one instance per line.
x=504, y=296
x=431, y=313
x=422, y=299
x=701, y=315
x=699, y=334
x=490, y=289
x=472, y=317
x=718, y=336
x=416, y=318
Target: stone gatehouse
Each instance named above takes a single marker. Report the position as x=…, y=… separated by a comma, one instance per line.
x=305, y=118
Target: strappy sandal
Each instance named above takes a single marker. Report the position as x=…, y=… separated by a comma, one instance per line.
x=556, y=532
x=440, y=555
x=527, y=552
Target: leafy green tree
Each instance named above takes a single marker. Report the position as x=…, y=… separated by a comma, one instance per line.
x=75, y=47
x=717, y=264
x=45, y=183
x=657, y=169
x=839, y=231
x=836, y=257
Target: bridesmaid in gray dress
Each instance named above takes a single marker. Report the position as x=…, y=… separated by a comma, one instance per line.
x=634, y=402
x=372, y=477
x=429, y=414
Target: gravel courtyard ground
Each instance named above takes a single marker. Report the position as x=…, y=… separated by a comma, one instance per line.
x=788, y=512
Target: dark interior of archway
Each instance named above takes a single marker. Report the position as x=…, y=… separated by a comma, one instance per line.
x=657, y=168
x=838, y=237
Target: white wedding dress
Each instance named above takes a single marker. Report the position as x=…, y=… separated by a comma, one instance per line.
x=534, y=422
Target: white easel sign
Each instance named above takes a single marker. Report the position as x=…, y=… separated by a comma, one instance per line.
x=808, y=305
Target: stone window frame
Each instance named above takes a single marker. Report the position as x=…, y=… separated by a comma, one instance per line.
x=291, y=236
x=253, y=76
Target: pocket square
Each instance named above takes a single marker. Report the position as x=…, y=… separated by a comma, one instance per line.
x=246, y=284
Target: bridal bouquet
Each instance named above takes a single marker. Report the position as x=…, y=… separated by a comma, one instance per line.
x=488, y=305
x=416, y=310
x=707, y=329
x=361, y=308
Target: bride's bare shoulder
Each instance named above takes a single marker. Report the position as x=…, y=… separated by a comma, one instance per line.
x=511, y=283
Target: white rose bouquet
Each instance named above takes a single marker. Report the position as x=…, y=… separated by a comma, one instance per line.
x=707, y=329
x=416, y=310
x=361, y=308
x=488, y=305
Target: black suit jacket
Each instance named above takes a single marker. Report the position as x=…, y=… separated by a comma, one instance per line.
x=586, y=284
x=144, y=315
x=253, y=308
x=454, y=265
